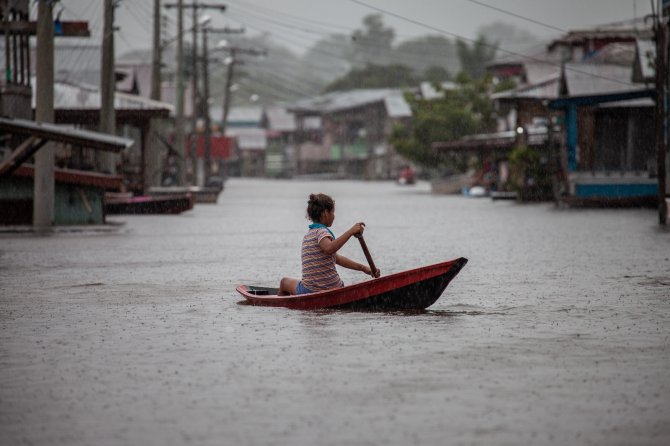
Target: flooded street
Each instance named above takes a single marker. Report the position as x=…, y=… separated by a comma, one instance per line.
x=557, y=331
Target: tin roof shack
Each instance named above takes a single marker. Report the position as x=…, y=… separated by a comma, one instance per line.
x=280, y=128
x=580, y=63
x=609, y=134
x=530, y=178
x=582, y=45
x=346, y=133
x=78, y=195
x=251, y=144
x=79, y=106
x=244, y=127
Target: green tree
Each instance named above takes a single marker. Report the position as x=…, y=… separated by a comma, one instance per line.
x=374, y=76
x=463, y=111
x=424, y=52
x=329, y=58
x=373, y=44
x=475, y=57
x=435, y=75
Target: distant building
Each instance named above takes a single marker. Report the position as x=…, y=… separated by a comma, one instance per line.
x=77, y=196
x=598, y=84
x=346, y=133
x=79, y=106
x=280, y=128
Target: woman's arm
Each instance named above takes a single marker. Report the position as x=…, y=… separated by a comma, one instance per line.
x=351, y=264
x=329, y=246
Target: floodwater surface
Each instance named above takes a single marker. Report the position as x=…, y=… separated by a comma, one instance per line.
x=557, y=331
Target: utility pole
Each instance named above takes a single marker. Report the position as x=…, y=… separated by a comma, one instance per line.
x=231, y=61
x=179, y=124
x=660, y=32
x=106, y=161
x=179, y=119
x=195, y=109
x=205, y=105
x=44, y=184
x=152, y=171
x=156, y=56
x=226, y=92
x=205, y=99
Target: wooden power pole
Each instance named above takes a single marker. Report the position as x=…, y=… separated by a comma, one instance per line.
x=234, y=51
x=179, y=112
x=44, y=185
x=180, y=140
x=205, y=105
x=107, y=161
x=660, y=32
x=157, y=54
x=152, y=165
x=206, y=92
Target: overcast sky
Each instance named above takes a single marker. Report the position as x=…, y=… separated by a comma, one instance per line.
x=299, y=23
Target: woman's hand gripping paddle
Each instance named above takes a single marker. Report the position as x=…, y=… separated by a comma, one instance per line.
x=366, y=251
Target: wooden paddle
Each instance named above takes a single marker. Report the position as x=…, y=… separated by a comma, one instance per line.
x=366, y=251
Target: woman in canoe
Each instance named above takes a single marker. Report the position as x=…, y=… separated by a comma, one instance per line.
x=319, y=251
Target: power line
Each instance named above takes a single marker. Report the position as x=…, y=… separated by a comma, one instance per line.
x=427, y=54
x=458, y=36
x=293, y=42
x=295, y=18
x=528, y=19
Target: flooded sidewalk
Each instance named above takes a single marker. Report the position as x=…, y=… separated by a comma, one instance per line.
x=557, y=331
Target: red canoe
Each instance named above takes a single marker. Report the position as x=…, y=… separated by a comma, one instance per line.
x=415, y=289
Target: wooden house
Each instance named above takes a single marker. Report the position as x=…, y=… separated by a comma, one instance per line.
x=346, y=133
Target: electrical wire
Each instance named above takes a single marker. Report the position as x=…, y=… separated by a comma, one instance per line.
x=452, y=34
x=79, y=57
x=293, y=29
x=292, y=41
x=518, y=16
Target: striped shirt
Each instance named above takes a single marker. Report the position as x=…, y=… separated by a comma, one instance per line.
x=318, y=269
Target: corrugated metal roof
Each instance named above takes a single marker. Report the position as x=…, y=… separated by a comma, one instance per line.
x=69, y=96
x=547, y=88
x=629, y=29
x=538, y=71
x=397, y=106
x=428, y=91
x=344, y=100
x=248, y=138
x=587, y=79
x=245, y=115
x=69, y=135
x=280, y=119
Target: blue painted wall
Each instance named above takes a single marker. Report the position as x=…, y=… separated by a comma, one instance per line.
x=615, y=190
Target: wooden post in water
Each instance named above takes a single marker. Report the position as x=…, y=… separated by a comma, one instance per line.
x=107, y=161
x=44, y=183
x=661, y=111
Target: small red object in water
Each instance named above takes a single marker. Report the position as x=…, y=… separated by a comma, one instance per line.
x=406, y=175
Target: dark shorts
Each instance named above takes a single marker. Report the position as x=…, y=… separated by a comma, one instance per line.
x=301, y=289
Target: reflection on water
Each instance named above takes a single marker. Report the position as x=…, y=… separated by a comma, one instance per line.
x=556, y=331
